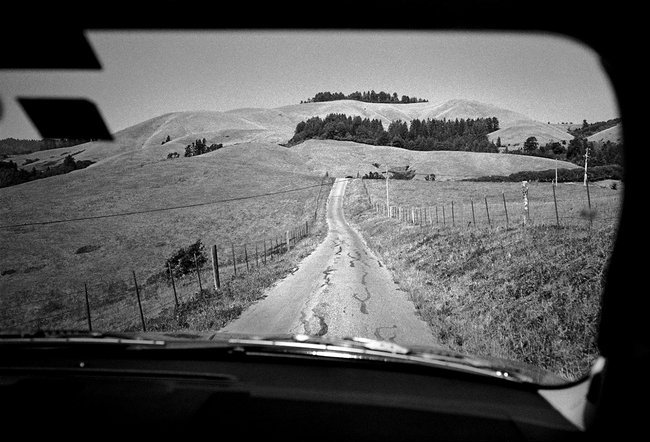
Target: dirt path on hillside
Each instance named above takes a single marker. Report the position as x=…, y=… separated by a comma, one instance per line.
x=342, y=289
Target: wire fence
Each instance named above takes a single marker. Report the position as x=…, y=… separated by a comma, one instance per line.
x=129, y=301
x=548, y=208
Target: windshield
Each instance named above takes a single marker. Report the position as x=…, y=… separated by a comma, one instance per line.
x=450, y=190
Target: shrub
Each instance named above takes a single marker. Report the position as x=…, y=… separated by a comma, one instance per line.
x=182, y=262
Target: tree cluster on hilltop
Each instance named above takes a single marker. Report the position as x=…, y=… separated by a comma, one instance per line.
x=600, y=154
x=199, y=147
x=369, y=97
x=423, y=135
x=11, y=175
x=14, y=146
x=588, y=129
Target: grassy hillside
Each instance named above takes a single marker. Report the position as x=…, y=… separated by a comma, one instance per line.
x=278, y=125
x=49, y=263
x=613, y=134
x=343, y=158
x=515, y=135
x=530, y=295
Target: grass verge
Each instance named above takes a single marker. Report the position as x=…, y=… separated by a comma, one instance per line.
x=531, y=295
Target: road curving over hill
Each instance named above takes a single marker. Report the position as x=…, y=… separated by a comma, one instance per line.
x=342, y=289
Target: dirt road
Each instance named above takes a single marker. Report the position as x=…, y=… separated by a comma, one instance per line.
x=341, y=289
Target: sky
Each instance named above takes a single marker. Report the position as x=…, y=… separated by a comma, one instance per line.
x=146, y=74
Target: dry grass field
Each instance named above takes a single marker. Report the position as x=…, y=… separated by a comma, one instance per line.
x=238, y=194
x=343, y=158
x=531, y=295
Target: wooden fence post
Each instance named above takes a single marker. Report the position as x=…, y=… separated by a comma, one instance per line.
x=246, y=258
x=215, y=268
x=234, y=261
x=137, y=294
x=505, y=208
x=590, y=214
x=171, y=275
x=557, y=216
x=90, y=325
x=524, y=192
x=473, y=217
x=257, y=262
x=198, y=274
x=453, y=218
x=487, y=210
x=287, y=243
x=265, y=251
x=444, y=220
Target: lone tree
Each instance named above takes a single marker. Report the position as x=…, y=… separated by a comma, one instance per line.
x=531, y=145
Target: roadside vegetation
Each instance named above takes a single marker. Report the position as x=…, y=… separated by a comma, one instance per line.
x=531, y=295
x=211, y=309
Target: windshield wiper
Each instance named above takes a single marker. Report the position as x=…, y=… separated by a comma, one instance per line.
x=370, y=349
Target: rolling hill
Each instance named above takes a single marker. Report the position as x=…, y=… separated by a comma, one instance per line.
x=347, y=158
x=613, y=134
x=143, y=141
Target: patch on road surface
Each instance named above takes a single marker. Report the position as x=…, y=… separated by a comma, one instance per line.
x=379, y=333
x=316, y=325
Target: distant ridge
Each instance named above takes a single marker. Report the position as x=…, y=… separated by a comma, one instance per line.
x=277, y=126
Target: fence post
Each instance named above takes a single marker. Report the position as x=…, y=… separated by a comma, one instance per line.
x=234, y=262
x=444, y=220
x=257, y=262
x=557, y=216
x=306, y=228
x=505, y=208
x=473, y=217
x=171, y=275
x=487, y=210
x=590, y=214
x=137, y=294
x=453, y=218
x=265, y=251
x=524, y=192
x=246, y=258
x=198, y=274
x=288, y=244
x=215, y=267
x=90, y=325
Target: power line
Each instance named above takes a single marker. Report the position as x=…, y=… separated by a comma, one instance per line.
x=159, y=209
